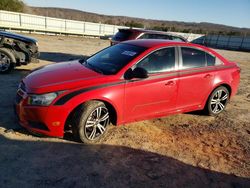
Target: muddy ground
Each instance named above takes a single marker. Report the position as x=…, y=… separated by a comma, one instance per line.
x=186, y=150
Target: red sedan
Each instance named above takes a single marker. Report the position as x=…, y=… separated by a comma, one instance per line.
x=131, y=81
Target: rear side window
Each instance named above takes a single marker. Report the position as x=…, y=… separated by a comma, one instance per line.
x=159, y=61
x=211, y=60
x=178, y=39
x=155, y=36
x=122, y=35
x=161, y=36
x=144, y=36
x=192, y=58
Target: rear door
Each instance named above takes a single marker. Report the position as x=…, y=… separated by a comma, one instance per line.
x=195, y=77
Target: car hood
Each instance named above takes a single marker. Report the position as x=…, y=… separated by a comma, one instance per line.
x=61, y=76
x=17, y=36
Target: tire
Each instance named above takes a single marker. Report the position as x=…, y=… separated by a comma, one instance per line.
x=90, y=122
x=7, y=61
x=217, y=101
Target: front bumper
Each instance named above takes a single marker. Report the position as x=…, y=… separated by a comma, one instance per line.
x=45, y=120
x=35, y=55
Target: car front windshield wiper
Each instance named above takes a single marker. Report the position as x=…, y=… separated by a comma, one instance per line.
x=92, y=67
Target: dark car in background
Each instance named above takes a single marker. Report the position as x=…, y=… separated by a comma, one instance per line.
x=16, y=50
x=133, y=34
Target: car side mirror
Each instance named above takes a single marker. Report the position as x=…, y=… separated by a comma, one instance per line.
x=138, y=72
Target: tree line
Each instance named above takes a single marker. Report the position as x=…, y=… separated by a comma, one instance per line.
x=12, y=5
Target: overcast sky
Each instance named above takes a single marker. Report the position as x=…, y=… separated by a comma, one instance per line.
x=228, y=12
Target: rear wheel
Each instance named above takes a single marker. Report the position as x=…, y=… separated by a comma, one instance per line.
x=6, y=61
x=91, y=122
x=217, y=101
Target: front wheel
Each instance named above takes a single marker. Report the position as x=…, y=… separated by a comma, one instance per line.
x=91, y=121
x=6, y=60
x=217, y=101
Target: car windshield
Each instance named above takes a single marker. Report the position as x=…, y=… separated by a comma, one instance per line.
x=113, y=59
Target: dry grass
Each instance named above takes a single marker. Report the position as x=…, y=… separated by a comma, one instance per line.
x=181, y=150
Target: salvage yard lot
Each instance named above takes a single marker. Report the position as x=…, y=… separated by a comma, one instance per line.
x=180, y=150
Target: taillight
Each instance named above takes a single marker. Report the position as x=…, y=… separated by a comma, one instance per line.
x=238, y=67
x=239, y=70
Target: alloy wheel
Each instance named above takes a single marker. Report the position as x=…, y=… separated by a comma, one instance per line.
x=96, y=123
x=218, y=101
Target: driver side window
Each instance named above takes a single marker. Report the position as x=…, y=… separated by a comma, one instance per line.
x=159, y=61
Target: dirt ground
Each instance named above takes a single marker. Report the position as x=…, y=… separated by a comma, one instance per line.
x=186, y=150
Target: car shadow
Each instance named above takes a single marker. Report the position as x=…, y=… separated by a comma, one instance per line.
x=8, y=87
x=59, y=57
x=197, y=112
x=53, y=164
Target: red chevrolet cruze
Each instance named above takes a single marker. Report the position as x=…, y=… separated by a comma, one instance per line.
x=131, y=81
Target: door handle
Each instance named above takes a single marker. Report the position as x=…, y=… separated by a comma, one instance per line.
x=208, y=76
x=169, y=83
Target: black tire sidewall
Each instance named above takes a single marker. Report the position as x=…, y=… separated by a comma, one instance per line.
x=12, y=58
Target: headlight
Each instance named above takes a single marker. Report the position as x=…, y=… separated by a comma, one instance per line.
x=42, y=100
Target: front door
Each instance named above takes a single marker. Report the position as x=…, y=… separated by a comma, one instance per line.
x=156, y=94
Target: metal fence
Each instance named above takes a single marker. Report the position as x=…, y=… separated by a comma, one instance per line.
x=225, y=42
x=29, y=22
x=241, y=43
x=20, y=21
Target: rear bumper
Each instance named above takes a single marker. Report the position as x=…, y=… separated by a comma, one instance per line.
x=35, y=55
